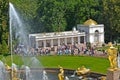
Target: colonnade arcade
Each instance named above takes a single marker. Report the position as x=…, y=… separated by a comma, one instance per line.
x=60, y=41
x=53, y=39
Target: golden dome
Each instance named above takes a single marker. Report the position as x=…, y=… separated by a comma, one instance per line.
x=90, y=22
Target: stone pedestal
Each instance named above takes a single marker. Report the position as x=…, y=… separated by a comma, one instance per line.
x=113, y=75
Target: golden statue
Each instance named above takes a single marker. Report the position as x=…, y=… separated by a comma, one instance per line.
x=13, y=72
x=61, y=74
x=82, y=71
x=8, y=68
x=112, y=56
x=103, y=78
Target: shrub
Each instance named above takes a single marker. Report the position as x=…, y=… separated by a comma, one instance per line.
x=4, y=48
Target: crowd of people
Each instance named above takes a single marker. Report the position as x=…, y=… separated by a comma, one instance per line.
x=75, y=49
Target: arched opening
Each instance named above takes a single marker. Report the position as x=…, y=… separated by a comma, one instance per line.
x=96, y=36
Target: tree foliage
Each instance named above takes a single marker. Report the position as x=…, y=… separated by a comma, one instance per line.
x=4, y=26
x=4, y=48
x=81, y=11
x=60, y=15
x=50, y=15
x=111, y=18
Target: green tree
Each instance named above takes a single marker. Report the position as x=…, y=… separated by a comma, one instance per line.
x=111, y=20
x=56, y=15
x=70, y=13
x=81, y=10
x=60, y=15
x=51, y=16
x=4, y=26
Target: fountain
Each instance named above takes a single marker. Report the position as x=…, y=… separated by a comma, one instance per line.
x=66, y=78
x=14, y=72
x=2, y=71
x=32, y=69
x=17, y=28
x=45, y=77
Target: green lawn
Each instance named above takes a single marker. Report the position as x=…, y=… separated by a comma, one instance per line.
x=106, y=47
x=96, y=64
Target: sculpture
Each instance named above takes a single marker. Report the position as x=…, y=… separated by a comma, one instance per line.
x=82, y=71
x=103, y=78
x=61, y=74
x=13, y=72
x=8, y=68
x=112, y=56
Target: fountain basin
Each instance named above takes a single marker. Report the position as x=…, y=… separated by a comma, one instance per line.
x=52, y=74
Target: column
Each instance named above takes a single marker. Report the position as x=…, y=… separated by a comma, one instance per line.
x=58, y=41
x=65, y=40
x=72, y=39
x=44, y=43
x=36, y=44
x=78, y=39
x=84, y=40
x=51, y=42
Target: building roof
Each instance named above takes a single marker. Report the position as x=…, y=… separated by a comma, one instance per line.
x=53, y=35
x=90, y=22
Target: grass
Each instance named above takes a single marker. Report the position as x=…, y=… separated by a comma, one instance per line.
x=96, y=64
x=106, y=47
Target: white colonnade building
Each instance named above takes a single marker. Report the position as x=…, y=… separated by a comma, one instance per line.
x=56, y=39
x=90, y=31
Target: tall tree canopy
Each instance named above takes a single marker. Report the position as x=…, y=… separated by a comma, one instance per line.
x=81, y=11
x=111, y=16
x=4, y=29
x=60, y=15
x=50, y=15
